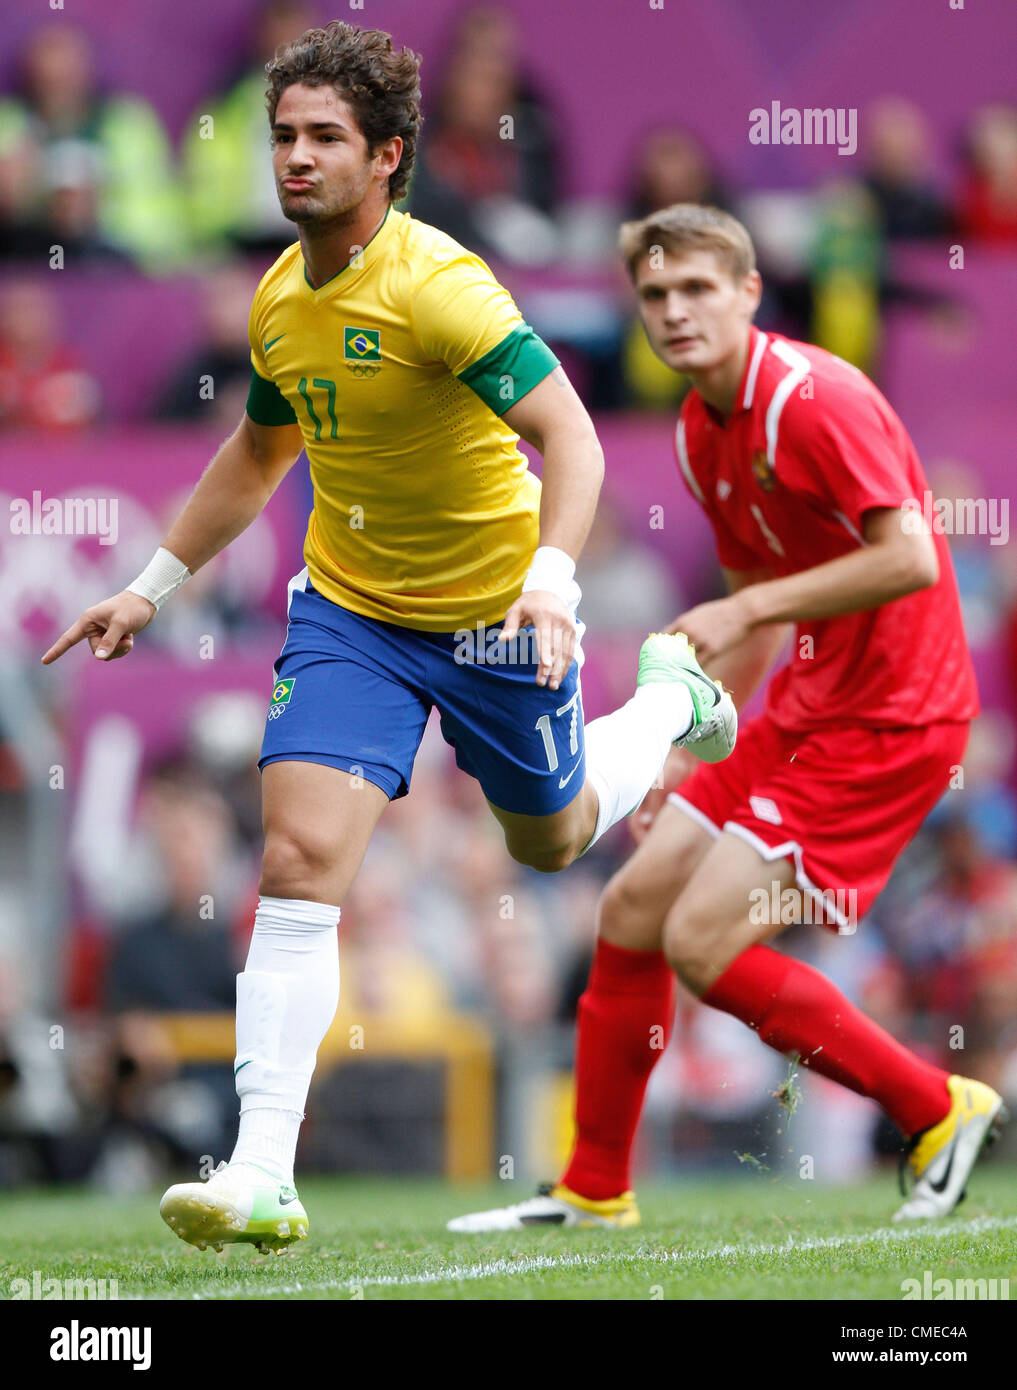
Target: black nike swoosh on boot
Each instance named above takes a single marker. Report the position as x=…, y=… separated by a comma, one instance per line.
x=940, y=1184
x=711, y=685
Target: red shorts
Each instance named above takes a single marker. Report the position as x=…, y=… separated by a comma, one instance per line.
x=841, y=803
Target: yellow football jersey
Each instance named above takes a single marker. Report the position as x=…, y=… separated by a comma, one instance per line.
x=398, y=371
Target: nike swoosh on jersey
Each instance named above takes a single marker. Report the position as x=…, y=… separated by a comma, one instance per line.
x=265, y=346
x=564, y=781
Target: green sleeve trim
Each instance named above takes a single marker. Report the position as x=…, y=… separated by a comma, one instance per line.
x=503, y=376
x=266, y=404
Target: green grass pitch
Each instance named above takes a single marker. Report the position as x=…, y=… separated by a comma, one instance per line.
x=757, y=1237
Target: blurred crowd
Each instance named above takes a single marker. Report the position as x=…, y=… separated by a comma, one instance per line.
x=440, y=920
x=93, y=176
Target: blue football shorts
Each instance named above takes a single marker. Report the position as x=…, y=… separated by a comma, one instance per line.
x=355, y=693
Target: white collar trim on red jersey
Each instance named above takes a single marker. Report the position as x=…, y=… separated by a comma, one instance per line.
x=682, y=450
x=800, y=368
x=753, y=372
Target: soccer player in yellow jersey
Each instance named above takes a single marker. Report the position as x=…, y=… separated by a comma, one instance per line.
x=394, y=357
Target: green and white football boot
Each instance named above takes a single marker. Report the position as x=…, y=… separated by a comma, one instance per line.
x=240, y=1202
x=670, y=657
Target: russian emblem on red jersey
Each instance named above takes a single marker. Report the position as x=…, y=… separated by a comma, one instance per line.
x=762, y=471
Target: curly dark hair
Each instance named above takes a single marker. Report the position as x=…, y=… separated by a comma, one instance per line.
x=380, y=84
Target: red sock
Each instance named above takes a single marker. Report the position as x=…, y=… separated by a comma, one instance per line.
x=796, y=1009
x=630, y=995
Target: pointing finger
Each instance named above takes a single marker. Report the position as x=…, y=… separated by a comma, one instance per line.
x=70, y=638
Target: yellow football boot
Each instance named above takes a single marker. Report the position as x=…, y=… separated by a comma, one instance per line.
x=943, y=1156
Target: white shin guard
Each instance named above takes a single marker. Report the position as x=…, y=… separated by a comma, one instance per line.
x=287, y=997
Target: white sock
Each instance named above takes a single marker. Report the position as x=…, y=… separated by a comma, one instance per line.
x=626, y=750
x=268, y=1139
x=286, y=1000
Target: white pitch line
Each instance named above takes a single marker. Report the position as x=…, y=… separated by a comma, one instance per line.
x=534, y=1264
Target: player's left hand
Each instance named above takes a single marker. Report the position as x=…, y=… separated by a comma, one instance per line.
x=714, y=627
x=556, y=633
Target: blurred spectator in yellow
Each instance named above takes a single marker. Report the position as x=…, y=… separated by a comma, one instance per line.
x=649, y=384
x=897, y=172
x=138, y=197
x=43, y=385
x=486, y=168
x=16, y=176
x=987, y=206
x=846, y=268
x=231, y=192
x=211, y=384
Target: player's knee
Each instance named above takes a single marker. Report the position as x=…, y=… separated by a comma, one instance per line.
x=294, y=866
x=690, y=965
x=543, y=856
x=545, y=859
x=628, y=915
x=635, y=904
x=692, y=950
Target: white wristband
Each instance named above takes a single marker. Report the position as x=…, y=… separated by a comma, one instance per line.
x=161, y=577
x=552, y=570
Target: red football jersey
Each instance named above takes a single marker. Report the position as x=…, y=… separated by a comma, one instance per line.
x=810, y=446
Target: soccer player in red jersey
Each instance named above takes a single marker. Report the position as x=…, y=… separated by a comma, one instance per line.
x=807, y=477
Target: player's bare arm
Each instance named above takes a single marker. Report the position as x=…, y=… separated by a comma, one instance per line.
x=742, y=666
x=894, y=561
x=554, y=420
x=233, y=490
